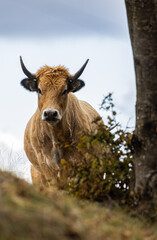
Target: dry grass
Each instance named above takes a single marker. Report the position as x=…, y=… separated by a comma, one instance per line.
x=26, y=213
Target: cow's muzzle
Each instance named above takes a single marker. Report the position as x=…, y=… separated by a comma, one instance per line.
x=51, y=115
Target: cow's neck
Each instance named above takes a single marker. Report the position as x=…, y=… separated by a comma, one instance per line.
x=62, y=133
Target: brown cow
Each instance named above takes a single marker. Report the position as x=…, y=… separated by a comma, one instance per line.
x=59, y=119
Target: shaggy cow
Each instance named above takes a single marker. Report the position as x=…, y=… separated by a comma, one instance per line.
x=59, y=117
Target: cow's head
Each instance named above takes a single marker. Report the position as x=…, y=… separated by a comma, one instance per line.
x=53, y=86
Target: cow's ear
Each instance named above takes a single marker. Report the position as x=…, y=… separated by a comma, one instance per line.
x=29, y=84
x=75, y=85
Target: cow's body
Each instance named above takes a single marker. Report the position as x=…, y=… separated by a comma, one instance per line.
x=58, y=121
x=44, y=144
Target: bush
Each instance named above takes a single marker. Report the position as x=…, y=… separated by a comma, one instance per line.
x=105, y=165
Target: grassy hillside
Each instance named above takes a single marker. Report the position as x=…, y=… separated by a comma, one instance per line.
x=26, y=213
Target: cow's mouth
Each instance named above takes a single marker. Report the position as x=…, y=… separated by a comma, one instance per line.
x=52, y=120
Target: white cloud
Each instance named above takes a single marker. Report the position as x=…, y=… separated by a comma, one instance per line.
x=11, y=141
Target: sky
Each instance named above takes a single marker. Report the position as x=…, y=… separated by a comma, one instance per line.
x=63, y=32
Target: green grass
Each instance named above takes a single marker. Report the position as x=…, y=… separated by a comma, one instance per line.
x=26, y=213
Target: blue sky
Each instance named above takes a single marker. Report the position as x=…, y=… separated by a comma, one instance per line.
x=59, y=32
x=56, y=18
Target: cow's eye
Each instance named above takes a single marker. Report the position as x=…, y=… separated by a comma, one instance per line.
x=39, y=91
x=64, y=92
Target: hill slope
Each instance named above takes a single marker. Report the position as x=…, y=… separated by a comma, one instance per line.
x=25, y=213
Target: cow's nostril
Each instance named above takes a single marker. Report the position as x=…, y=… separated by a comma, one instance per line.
x=45, y=114
x=55, y=114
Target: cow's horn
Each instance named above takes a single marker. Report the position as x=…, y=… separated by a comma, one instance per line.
x=80, y=71
x=25, y=70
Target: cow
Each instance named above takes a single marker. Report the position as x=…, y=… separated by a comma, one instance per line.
x=60, y=118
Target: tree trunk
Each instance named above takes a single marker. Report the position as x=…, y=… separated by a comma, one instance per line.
x=142, y=21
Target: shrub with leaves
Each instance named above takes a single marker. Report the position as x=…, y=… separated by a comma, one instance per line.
x=105, y=165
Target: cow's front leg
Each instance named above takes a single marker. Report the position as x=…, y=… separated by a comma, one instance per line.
x=49, y=171
x=38, y=178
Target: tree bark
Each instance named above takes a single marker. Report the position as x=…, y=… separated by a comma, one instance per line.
x=142, y=21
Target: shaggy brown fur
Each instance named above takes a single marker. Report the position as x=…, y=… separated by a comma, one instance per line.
x=44, y=141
